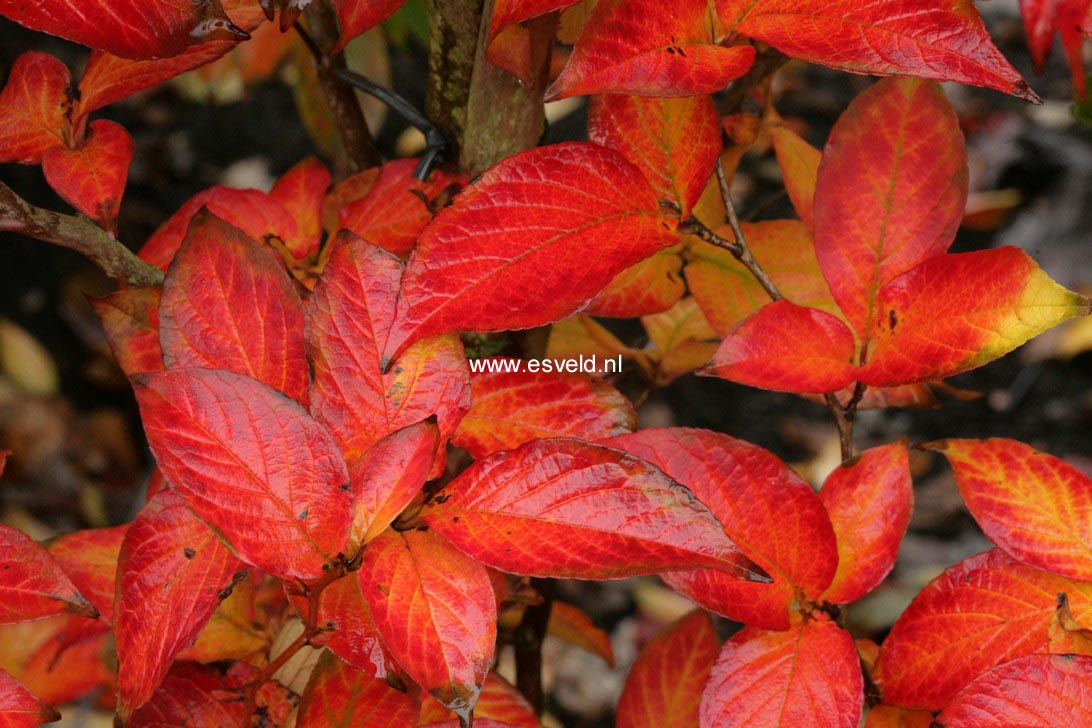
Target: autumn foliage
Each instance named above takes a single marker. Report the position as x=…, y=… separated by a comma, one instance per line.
x=337, y=487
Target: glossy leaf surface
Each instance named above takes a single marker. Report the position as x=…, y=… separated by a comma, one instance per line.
x=33, y=105
x=252, y=464
x=91, y=177
x=340, y=696
x=354, y=637
x=586, y=505
x=32, y=583
x=500, y=704
x=1036, y=507
x=529, y=222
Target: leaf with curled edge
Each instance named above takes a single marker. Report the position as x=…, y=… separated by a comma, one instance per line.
x=775, y=517
x=229, y=304
x=32, y=583
x=507, y=32
x=91, y=176
x=19, y=708
x=435, y=610
x=252, y=464
x=130, y=320
x=173, y=572
x=194, y=695
x=347, y=321
x=943, y=40
x=90, y=559
x=983, y=611
x=510, y=408
x=33, y=108
x=341, y=696
x=1036, y=507
x=565, y=218
x=572, y=624
x=355, y=18
x=665, y=684
x=786, y=678
x=128, y=28
x=648, y=48
x=499, y=704
x=301, y=191
x=595, y=512
x=1036, y=690
x=1042, y=18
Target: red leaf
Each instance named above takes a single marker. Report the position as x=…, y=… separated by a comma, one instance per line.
x=573, y=625
x=340, y=696
x=499, y=705
x=388, y=476
x=19, y=708
x=984, y=611
x=1042, y=18
x=787, y=348
x=355, y=17
x=301, y=191
x=955, y=312
x=944, y=40
x=192, y=695
x=772, y=514
x=347, y=320
x=1037, y=690
x=230, y=304
x=665, y=684
x=506, y=33
x=510, y=408
x=530, y=222
x=869, y=500
x=392, y=214
x=354, y=637
x=891, y=191
x=91, y=177
x=33, y=106
x=652, y=286
x=129, y=28
x=60, y=659
x=130, y=319
x=649, y=48
x=90, y=559
x=252, y=464
x=809, y=675
x=596, y=512
x=436, y=613
x=32, y=583
x=674, y=142
x=1037, y=508
x=172, y=574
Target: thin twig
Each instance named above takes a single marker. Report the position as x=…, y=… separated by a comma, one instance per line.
x=527, y=640
x=76, y=233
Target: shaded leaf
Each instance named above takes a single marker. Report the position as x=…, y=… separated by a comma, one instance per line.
x=649, y=287
x=352, y=632
x=356, y=18
x=19, y=708
x=888, y=716
x=301, y=191
x=33, y=106
x=91, y=176
x=679, y=340
x=90, y=559
x=340, y=696
x=799, y=162
x=573, y=625
x=130, y=320
x=499, y=704
x=32, y=583
x=191, y=695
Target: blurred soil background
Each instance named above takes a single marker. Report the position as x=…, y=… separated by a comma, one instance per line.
x=78, y=455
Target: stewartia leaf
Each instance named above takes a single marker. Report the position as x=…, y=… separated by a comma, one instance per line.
x=679, y=340
x=772, y=514
x=252, y=464
x=506, y=34
x=566, y=218
x=499, y=704
x=955, y=312
x=356, y=18
x=509, y=408
x=573, y=625
x=172, y=574
x=301, y=191
x=19, y=708
x=347, y=321
x=340, y=696
x=595, y=512
x=984, y=611
x=191, y=695
x=891, y=191
x=888, y=716
x=32, y=583
x=435, y=611
x=353, y=635
x=90, y=559
x=1030, y=692
x=1037, y=508
x=809, y=675
x=239, y=628
x=650, y=49
x=388, y=476
x=652, y=286
x=130, y=320
x=128, y=28
x=665, y=684
x=33, y=106
x=869, y=500
x=91, y=177
x=786, y=347
x=1042, y=18
x=229, y=304
x=674, y=142
x=799, y=162
x=944, y=40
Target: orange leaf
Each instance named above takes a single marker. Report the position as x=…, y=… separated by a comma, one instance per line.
x=90, y=559
x=984, y=611
x=791, y=678
x=33, y=106
x=301, y=191
x=91, y=177
x=1037, y=508
x=32, y=583
x=19, y=708
x=651, y=286
x=510, y=408
x=499, y=704
x=649, y=48
x=888, y=716
x=130, y=319
x=799, y=162
x=1036, y=691
x=509, y=43
x=774, y=516
x=869, y=500
x=229, y=304
x=340, y=696
x=239, y=627
x=944, y=40
x=573, y=625
x=675, y=142
x=435, y=611
x=665, y=684
x=679, y=340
